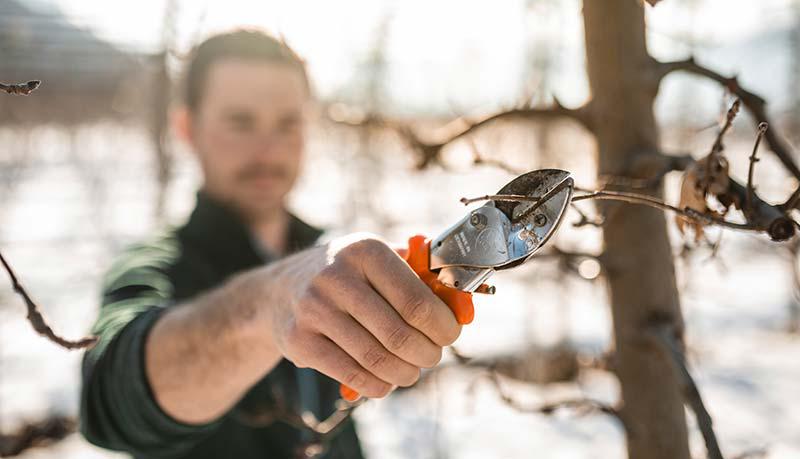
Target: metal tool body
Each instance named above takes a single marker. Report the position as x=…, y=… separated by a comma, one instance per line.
x=502, y=234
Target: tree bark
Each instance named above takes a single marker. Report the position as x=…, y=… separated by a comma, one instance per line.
x=640, y=269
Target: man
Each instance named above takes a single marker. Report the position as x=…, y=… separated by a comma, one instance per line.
x=209, y=333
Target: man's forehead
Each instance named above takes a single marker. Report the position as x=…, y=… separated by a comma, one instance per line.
x=250, y=82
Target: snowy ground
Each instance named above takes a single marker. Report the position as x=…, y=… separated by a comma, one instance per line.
x=60, y=229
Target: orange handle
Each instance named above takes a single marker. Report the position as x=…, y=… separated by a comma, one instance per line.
x=460, y=302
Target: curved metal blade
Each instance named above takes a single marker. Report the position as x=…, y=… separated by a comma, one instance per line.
x=502, y=234
x=533, y=223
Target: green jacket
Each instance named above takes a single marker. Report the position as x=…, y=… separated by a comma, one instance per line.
x=118, y=410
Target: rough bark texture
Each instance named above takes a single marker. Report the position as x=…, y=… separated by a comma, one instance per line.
x=641, y=275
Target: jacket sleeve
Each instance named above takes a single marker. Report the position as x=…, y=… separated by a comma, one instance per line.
x=118, y=410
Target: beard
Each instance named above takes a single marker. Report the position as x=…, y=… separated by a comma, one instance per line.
x=259, y=190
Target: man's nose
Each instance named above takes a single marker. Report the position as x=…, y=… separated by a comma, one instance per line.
x=265, y=143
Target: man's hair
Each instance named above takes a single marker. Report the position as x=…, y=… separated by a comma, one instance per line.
x=240, y=43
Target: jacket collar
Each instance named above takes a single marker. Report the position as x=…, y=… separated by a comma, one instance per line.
x=218, y=231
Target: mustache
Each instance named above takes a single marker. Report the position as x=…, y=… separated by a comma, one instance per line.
x=257, y=171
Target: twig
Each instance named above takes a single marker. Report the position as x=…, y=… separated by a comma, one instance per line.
x=748, y=202
x=666, y=336
x=793, y=200
x=752, y=453
x=478, y=159
x=499, y=197
x=20, y=88
x=717, y=147
x=754, y=103
x=429, y=151
x=690, y=213
x=36, y=318
x=321, y=433
x=40, y=433
x=632, y=198
x=585, y=220
x=582, y=406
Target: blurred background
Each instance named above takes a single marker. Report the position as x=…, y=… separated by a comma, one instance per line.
x=87, y=166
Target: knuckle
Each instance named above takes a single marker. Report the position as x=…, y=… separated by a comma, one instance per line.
x=375, y=357
x=325, y=279
x=398, y=338
x=356, y=379
x=418, y=310
x=309, y=314
x=295, y=342
x=369, y=246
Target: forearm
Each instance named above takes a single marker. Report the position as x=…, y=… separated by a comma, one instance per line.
x=202, y=356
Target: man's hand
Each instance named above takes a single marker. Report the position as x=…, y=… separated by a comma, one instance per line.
x=352, y=309
x=355, y=311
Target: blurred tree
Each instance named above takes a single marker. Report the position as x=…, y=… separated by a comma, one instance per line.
x=639, y=264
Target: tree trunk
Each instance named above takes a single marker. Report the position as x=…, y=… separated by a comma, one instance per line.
x=640, y=270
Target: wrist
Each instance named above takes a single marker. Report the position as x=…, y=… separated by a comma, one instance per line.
x=251, y=317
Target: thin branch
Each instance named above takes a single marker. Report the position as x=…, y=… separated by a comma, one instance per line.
x=793, y=200
x=20, y=88
x=582, y=406
x=748, y=202
x=666, y=337
x=499, y=197
x=717, y=147
x=689, y=213
x=37, y=434
x=36, y=318
x=429, y=151
x=753, y=102
x=585, y=220
x=631, y=198
x=480, y=160
x=752, y=453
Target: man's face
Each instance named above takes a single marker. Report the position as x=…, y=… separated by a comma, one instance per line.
x=247, y=132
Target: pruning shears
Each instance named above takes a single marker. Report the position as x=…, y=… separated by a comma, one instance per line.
x=501, y=234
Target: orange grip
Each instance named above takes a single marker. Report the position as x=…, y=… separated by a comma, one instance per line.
x=459, y=301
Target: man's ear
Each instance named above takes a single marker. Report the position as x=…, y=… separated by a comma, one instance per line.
x=182, y=124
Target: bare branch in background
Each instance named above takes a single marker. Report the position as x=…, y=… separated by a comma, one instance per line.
x=480, y=160
x=669, y=340
x=717, y=146
x=429, y=152
x=20, y=88
x=793, y=200
x=597, y=222
x=753, y=102
x=581, y=406
x=748, y=202
x=31, y=435
x=36, y=318
x=320, y=433
x=754, y=453
x=702, y=178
